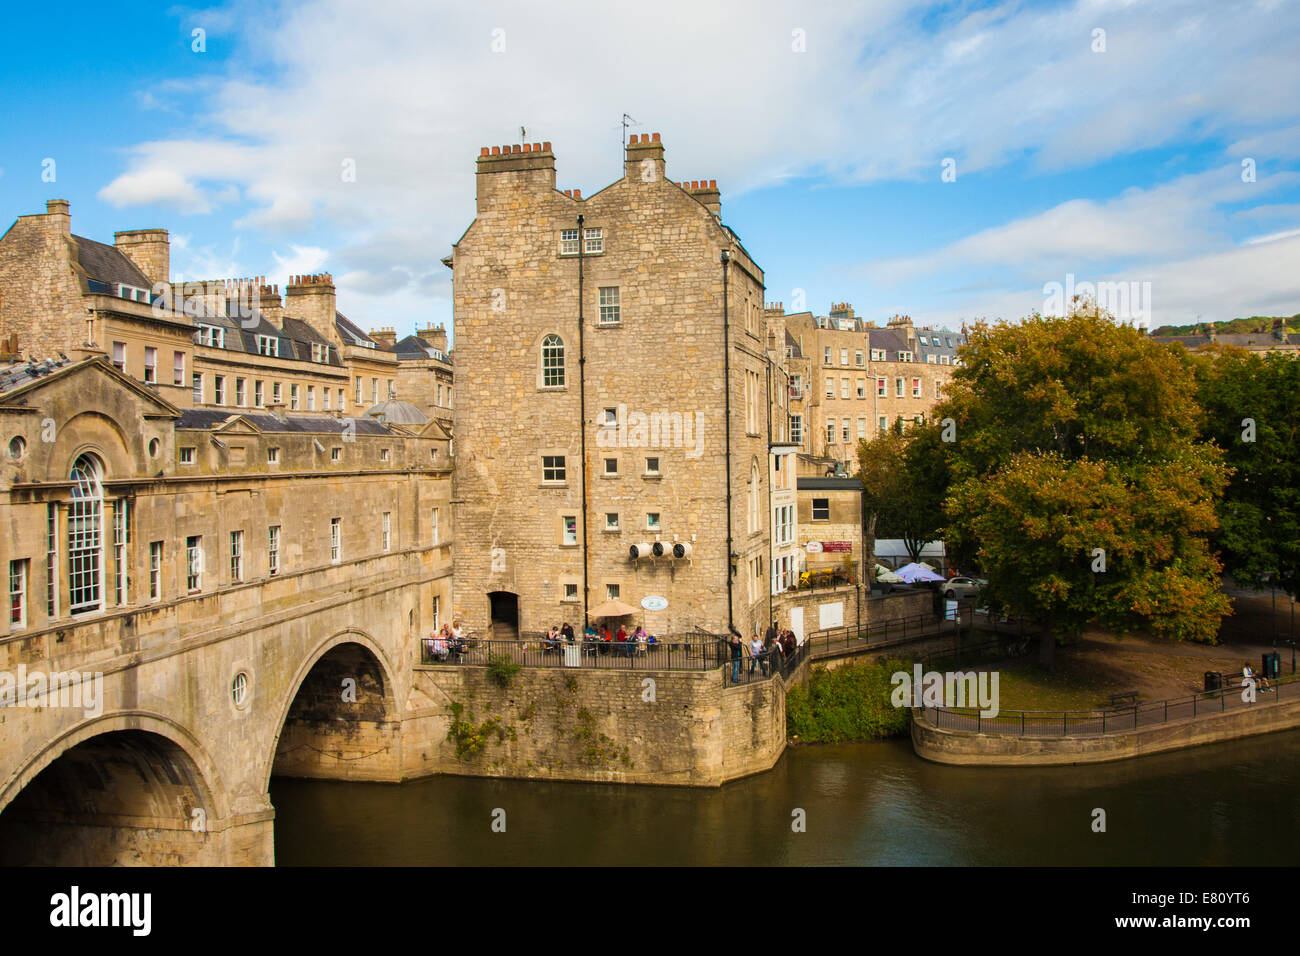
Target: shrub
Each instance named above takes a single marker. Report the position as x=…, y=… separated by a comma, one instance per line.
x=849, y=703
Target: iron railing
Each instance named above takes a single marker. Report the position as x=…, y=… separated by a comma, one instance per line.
x=750, y=668
x=698, y=655
x=1075, y=723
x=853, y=637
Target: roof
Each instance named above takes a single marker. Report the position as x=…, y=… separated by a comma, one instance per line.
x=400, y=413
x=792, y=344
x=108, y=264
x=829, y=484
x=415, y=347
x=352, y=334
x=18, y=374
x=208, y=418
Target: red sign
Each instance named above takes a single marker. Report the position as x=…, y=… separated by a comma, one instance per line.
x=842, y=546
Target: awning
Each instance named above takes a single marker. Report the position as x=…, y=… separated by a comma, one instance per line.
x=612, y=609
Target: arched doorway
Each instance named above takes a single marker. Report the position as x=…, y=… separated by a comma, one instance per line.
x=122, y=798
x=504, y=615
x=342, y=722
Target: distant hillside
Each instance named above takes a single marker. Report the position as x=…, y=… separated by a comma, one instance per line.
x=1255, y=323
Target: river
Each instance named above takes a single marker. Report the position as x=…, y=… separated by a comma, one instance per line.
x=865, y=804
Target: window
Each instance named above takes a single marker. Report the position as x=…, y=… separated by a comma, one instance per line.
x=826, y=358
x=273, y=549
x=938, y=389
x=796, y=429
x=268, y=345
x=320, y=353
x=857, y=358
x=553, y=468
x=336, y=453
x=924, y=342
x=336, y=539
x=194, y=563
x=570, y=591
x=219, y=389
x=847, y=428
x=325, y=395
x=276, y=393
x=293, y=396
x=595, y=241
x=612, y=592
x=85, y=534
x=844, y=388
x=652, y=466
x=830, y=432
x=898, y=387
x=340, y=399
x=211, y=335
x=905, y=356
x=611, y=520
x=236, y=556
x=436, y=531
x=609, y=313
x=311, y=398
x=155, y=570
x=150, y=365
x=52, y=560
x=374, y=391
x=386, y=531
x=273, y=456
x=18, y=594
x=437, y=608
x=844, y=356
x=830, y=388
x=784, y=531
x=552, y=364
x=383, y=454
x=241, y=392
x=884, y=423
x=862, y=388
x=357, y=397
x=568, y=242
x=862, y=429
x=187, y=455
x=119, y=356
x=570, y=529
x=652, y=521
x=611, y=466
x=258, y=395
x=944, y=360
x=916, y=388
x=178, y=369
x=120, y=516
x=929, y=358
x=796, y=386
x=198, y=388
x=821, y=509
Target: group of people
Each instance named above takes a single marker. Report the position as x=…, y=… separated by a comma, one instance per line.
x=449, y=640
x=601, y=640
x=765, y=653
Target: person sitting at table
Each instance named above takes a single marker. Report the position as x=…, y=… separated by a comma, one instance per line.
x=440, y=649
x=566, y=632
x=621, y=638
x=553, y=639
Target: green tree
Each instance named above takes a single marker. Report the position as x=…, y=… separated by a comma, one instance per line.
x=1250, y=412
x=903, y=485
x=1079, y=479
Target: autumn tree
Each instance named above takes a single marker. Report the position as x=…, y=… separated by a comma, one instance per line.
x=1079, y=479
x=903, y=486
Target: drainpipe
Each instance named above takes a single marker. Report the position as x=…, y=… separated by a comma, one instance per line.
x=725, y=258
x=582, y=428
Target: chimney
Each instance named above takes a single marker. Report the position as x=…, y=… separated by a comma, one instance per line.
x=435, y=335
x=386, y=337
x=269, y=302
x=644, y=161
x=58, y=216
x=774, y=308
x=503, y=170
x=149, y=249
x=311, y=298
x=706, y=191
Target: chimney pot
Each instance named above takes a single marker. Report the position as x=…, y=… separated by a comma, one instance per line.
x=537, y=147
x=516, y=148
x=713, y=184
x=656, y=137
x=484, y=151
x=528, y=147
x=496, y=150
x=546, y=147
x=577, y=194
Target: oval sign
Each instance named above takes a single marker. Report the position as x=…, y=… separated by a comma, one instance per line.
x=813, y=547
x=653, y=602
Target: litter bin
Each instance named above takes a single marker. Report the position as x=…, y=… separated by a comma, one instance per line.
x=1272, y=668
x=1213, y=680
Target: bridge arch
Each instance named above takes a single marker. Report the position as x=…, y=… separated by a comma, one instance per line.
x=340, y=718
x=129, y=787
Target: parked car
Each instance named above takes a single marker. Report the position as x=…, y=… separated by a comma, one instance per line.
x=962, y=588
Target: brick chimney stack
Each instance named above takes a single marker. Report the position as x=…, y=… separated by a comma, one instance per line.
x=503, y=169
x=311, y=298
x=706, y=191
x=435, y=335
x=149, y=249
x=645, y=159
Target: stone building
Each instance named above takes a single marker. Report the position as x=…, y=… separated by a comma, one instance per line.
x=861, y=379
x=619, y=391
x=424, y=371
x=1268, y=337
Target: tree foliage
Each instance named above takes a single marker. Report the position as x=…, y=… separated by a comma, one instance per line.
x=1079, y=479
x=903, y=483
x=1250, y=412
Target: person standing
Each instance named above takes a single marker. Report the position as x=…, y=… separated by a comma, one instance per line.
x=737, y=652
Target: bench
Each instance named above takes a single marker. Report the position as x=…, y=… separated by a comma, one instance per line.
x=1128, y=698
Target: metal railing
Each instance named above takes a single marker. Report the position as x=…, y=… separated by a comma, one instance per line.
x=750, y=668
x=1074, y=723
x=705, y=653
x=853, y=637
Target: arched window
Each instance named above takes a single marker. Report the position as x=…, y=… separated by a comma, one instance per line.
x=755, y=499
x=86, y=535
x=552, y=361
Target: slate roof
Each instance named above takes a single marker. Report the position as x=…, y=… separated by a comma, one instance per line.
x=20, y=373
x=352, y=334
x=890, y=340
x=209, y=418
x=792, y=344
x=108, y=264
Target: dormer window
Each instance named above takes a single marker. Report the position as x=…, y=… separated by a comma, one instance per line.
x=268, y=345
x=133, y=293
x=320, y=353
x=212, y=335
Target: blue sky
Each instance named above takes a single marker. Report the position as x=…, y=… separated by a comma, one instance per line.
x=1110, y=157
